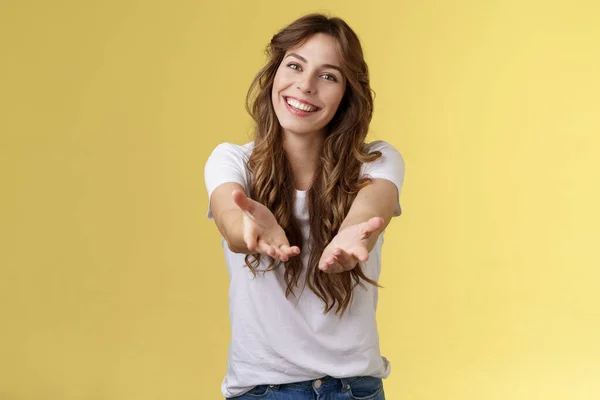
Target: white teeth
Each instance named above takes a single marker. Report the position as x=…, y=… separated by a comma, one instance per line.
x=300, y=106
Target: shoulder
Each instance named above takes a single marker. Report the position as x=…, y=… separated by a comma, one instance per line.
x=228, y=158
x=389, y=154
x=229, y=154
x=389, y=166
x=227, y=163
x=381, y=145
x=233, y=150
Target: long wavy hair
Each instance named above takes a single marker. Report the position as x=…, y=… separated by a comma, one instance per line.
x=337, y=180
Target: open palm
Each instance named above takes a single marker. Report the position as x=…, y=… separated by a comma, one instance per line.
x=262, y=232
x=349, y=246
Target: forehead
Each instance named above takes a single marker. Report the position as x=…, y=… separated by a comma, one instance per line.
x=318, y=48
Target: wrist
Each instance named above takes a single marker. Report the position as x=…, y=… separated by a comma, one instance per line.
x=233, y=232
x=355, y=220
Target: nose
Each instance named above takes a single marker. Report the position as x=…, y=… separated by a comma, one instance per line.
x=306, y=85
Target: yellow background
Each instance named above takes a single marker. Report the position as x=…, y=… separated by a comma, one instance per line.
x=113, y=285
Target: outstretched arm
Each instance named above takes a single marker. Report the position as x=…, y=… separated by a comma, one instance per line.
x=247, y=225
x=369, y=215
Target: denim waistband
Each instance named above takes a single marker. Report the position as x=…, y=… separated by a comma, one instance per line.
x=324, y=383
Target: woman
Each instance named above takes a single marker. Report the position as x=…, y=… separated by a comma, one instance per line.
x=301, y=210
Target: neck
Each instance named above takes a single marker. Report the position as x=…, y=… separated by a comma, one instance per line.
x=303, y=153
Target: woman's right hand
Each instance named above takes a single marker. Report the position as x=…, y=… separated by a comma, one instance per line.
x=262, y=232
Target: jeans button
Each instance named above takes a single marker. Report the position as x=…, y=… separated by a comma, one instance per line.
x=317, y=384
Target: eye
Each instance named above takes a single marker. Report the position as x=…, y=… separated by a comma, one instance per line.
x=330, y=77
x=294, y=66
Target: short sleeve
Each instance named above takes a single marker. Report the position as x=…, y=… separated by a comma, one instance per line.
x=227, y=163
x=389, y=166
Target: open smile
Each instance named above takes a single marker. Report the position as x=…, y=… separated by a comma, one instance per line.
x=299, y=108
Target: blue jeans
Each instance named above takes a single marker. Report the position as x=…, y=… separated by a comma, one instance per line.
x=326, y=388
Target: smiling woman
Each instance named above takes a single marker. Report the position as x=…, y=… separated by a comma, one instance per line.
x=304, y=206
x=309, y=83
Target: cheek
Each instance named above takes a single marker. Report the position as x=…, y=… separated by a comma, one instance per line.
x=275, y=84
x=277, y=87
x=334, y=101
x=281, y=78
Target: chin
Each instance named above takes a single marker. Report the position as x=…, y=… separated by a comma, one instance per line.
x=299, y=129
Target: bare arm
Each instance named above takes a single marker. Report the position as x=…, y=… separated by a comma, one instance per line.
x=370, y=213
x=228, y=216
x=248, y=226
x=377, y=199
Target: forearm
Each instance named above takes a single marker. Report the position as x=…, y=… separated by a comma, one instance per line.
x=377, y=199
x=231, y=226
x=359, y=217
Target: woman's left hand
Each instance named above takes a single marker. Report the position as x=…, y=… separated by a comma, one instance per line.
x=349, y=246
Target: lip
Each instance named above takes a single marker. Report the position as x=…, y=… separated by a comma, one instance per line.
x=297, y=112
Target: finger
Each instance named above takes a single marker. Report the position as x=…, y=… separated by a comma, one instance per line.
x=293, y=250
x=265, y=248
x=282, y=255
x=361, y=253
x=372, y=225
x=346, y=260
x=335, y=268
x=341, y=255
x=327, y=262
x=272, y=251
x=287, y=250
x=250, y=240
x=324, y=262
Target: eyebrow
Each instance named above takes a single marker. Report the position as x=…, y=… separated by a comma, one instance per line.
x=298, y=56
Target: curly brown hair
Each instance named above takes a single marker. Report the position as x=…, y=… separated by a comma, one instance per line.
x=337, y=180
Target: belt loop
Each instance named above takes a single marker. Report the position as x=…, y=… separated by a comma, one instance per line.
x=274, y=387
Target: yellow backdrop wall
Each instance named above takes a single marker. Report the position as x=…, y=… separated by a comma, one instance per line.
x=113, y=285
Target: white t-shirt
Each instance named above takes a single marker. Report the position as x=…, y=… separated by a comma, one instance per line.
x=277, y=340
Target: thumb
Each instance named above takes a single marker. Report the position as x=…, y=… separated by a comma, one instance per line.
x=371, y=226
x=250, y=238
x=242, y=201
x=360, y=253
